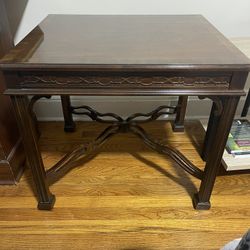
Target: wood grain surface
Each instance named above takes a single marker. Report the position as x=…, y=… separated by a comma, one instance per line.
x=166, y=41
x=127, y=197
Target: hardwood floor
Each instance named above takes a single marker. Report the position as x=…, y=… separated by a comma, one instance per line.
x=125, y=198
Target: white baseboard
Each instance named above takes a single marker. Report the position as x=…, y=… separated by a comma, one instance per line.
x=50, y=110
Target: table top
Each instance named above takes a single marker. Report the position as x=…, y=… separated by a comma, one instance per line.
x=165, y=41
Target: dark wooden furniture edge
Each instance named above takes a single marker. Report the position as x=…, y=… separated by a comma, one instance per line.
x=246, y=105
x=11, y=149
x=118, y=67
x=118, y=92
x=12, y=168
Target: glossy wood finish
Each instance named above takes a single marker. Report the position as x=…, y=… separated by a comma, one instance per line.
x=11, y=152
x=122, y=55
x=126, y=197
x=165, y=41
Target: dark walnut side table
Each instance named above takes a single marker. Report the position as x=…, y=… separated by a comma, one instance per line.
x=125, y=56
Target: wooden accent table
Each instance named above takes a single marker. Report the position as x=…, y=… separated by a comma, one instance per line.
x=126, y=55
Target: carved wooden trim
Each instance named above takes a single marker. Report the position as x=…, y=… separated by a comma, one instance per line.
x=120, y=125
x=120, y=81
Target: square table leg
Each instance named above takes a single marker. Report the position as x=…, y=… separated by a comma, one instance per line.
x=210, y=131
x=69, y=125
x=178, y=124
x=219, y=134
x=27, y=129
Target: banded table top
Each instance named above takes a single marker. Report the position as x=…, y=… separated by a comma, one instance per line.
x=125, y=41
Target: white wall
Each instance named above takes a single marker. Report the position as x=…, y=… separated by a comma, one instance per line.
x=231, y=17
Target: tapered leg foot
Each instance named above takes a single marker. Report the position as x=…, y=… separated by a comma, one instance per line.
x=200, y=205
x=48, y=205
x=69, y=127
x=178, y=123
x=177, y=127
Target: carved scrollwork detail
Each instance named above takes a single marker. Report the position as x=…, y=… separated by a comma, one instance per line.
x=120, y=125
x=130, y=81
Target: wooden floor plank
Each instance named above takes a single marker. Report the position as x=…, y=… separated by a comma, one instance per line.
x=121, y=241
x=125, y=198
x=123, y=213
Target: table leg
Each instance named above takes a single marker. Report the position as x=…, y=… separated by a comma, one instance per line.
x=246, y=106
x=69, y=125
x=178, y=124
x=28, y=132
x=201, y=200
x=210, y=133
